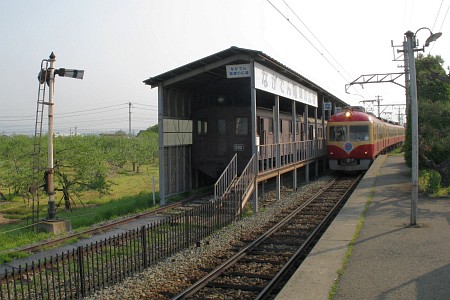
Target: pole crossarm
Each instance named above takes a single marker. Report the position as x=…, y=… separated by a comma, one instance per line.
x=376, y=78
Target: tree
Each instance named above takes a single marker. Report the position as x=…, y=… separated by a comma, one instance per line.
x=433, y=89
x=79, y=166
x=15, y=162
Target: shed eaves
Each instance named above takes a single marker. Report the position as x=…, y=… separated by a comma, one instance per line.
x=249, y=54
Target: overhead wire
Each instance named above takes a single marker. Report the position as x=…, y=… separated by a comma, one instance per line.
x=312, y=44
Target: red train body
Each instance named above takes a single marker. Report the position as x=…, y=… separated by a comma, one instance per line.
x=355, y=138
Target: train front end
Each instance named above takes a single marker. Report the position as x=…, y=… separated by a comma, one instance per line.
x=350, y=140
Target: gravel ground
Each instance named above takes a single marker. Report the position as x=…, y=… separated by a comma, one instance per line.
x=171, y=276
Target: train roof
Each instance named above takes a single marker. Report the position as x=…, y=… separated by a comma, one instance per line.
x=355, y=116
x=183, y=77
x=358, y=114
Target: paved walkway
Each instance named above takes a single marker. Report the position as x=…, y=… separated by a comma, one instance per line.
x=390, y=260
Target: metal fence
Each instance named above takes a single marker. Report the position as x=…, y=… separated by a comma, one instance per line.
x=84, y=270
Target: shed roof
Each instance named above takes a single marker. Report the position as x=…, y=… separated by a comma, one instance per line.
x=209, y=69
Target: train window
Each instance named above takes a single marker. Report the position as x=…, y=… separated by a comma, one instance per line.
x=241, y=126
x=311, y=132
x=202, y=127
x=338, y=133
x=221, y=126
x=359, y=133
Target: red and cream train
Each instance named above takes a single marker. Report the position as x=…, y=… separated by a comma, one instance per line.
x=355, y=138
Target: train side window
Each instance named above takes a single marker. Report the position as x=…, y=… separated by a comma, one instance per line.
x=271, y=125
x=221, y=126
x=241, y=126
x=202, y=127
x=311, y=132
x=338, y=133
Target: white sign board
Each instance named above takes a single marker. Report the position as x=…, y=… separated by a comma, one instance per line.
x=238, y=71
x=275, y=83
x=327, y=106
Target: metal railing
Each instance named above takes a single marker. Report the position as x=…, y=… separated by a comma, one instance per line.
x=226, y=179
x=274, y=156
x=82, y=271
x=245, y=185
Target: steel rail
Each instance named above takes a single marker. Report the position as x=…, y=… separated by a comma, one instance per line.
x=197, y=286
x=279, y=276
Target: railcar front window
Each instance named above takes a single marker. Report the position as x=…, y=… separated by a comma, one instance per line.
x=359, y=133
x=338, y=133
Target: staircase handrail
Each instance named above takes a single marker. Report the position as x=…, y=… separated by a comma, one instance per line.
x=226, y=179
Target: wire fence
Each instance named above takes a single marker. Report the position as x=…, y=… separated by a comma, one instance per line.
x=83, y=270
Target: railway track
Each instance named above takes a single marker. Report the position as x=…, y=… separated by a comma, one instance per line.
x=256, y=270
x=169, y=209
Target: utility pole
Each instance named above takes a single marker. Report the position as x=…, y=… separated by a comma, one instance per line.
x=378, y=102
x=129, y=120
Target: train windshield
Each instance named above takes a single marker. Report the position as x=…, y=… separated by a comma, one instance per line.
x=338, y=133
x=359, y=133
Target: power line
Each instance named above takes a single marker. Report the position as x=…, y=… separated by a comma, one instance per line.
x=437, y=15
x=317, y=39
x=311, y=43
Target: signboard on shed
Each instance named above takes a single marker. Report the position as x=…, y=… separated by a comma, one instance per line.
x=273, y=82
x=238, y=71
x=327, y=105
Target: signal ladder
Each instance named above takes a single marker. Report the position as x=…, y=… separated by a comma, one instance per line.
x=36, y=159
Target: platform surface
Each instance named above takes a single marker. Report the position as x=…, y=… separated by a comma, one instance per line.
x=390, y=259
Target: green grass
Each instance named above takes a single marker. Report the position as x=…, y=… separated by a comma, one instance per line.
x=131, y=193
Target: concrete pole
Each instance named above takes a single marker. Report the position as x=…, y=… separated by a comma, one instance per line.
x=50, y=170
x=414, y=126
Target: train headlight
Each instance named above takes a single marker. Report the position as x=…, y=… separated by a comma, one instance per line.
x=331, y=153
x=348, y=114
x=365, y=152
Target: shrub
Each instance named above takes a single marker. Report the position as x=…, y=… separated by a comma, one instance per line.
x=429, y=181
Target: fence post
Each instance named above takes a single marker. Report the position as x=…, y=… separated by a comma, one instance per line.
x=187, y=227
x=81, y=270
x=144, y=247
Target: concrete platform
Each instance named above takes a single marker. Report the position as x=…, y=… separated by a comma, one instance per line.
x=389, y=260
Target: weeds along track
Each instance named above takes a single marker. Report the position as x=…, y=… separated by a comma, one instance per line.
x=169, y=209
x=262, y=263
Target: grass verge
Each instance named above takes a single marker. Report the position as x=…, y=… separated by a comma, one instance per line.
x=335, y=286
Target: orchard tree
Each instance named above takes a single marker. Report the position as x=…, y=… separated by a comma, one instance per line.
x=15, y=163
x=79, y=166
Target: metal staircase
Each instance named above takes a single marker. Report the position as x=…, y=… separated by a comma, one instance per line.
x=236, y=189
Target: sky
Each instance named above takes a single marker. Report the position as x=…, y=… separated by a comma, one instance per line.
x=121, y=43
